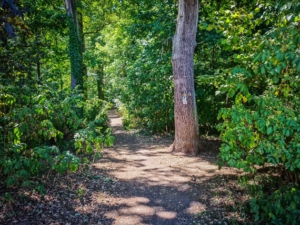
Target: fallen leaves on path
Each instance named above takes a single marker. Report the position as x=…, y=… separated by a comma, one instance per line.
x=138, y=181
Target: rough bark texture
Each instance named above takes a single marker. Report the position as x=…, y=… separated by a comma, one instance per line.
x=184, y=42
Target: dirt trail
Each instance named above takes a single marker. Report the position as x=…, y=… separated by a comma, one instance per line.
x=152, y=185
x=137, y=181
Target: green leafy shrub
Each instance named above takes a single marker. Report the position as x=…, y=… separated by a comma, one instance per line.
x=209, y=102
x=140, y=73
x=39, y=117
x=46, y=132
x=149, y=96
x=262, y=126
x=94, y=107
x=92, y=137
x=280, y=207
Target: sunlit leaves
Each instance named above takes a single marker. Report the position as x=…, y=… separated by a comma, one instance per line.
x=260, y=125
x=138, y=72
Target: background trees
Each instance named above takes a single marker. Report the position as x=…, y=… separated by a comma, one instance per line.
x=138, y=72
x=247, y=84
x=246, y=66
x=44, y=125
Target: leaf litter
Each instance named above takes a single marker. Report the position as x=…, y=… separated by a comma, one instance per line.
x=138, y=181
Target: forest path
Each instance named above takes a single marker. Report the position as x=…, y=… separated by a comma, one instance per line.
x=151, y=185
x=137, y=181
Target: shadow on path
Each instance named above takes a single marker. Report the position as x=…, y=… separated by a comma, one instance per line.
x=152, y=185
x=138, y=181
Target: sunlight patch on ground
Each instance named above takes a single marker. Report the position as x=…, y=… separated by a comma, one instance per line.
x=124, y=219
x=134, y=211
x=166, y=215
x=140, y=210
x=184, y=187
x=135, y=201
x=195, y=207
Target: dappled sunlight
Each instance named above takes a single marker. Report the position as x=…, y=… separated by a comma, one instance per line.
x=137, y=181
x=129, y=219
x=159, y=167
x=166, y=214
x=195, y=207
x=128, y=210
x=138, y=210
x=156, y=185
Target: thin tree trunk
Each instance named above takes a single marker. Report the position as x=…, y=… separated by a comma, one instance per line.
x=100, y=83
x=184, y=43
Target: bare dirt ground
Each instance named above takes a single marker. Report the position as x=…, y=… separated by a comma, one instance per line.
x=137, y=181
x=159, y=187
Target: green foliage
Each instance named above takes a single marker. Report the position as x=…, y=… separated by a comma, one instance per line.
x=260, y=124
x=39, y=117
x=209, y=102
x=280, y=207
x=268, y=135
x=45, y=126
x=76, y=57
x=94, y=107
x=30, y=132
x=139, y=73
x=247, y=65
x=214, y=59
x=149, y=96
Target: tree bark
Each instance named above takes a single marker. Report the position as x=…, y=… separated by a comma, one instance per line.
x=71, y=9
x=185, y=110
x=75, y=45
x=100, y=73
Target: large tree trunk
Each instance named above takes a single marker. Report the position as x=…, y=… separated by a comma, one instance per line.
x=75, y=45
x=184, y=43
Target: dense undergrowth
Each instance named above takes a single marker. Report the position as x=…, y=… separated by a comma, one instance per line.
x=45, y=126
x=260, y=125
x=45, y=130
